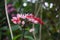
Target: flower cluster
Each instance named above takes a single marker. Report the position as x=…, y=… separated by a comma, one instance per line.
x=29, y=17
x=10, y=8
x=16, y=19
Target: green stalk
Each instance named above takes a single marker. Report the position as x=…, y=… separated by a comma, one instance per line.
x=8, y=19
x=41, y=10
x=33, y=24
x=34, y=32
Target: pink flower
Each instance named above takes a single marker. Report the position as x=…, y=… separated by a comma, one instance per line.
x=21, y=16
x=34, y=19
x=36, y=22
x=26, y=14
x=23, y=22
x=39, y=20
x=16, y=20
x=29, y=16
x=11, y=10
x=9, y=5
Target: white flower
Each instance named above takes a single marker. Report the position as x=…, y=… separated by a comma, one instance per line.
x=46, y=4
x=24, y=4
x=33, y=1
x=28, y=0
x=57, y=16
x=51, y=5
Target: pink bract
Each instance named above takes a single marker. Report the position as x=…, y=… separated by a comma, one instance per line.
x=16, y=20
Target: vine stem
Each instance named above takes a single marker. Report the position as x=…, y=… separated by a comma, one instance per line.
x=34, y=33
x=8, y=19
x=36, y=4
x=33, y=24
x=41, y=10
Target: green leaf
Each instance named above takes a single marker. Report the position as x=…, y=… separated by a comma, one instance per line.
x=16, y=37
x=27, y=29
x=15, y=27
x=4, y=28
x=29, y=37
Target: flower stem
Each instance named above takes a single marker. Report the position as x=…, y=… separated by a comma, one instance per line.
x=34, y=33
x=35, y=15
x=8, y=19
x=41, y=10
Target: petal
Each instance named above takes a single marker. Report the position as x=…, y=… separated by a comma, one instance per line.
x=9, y=5
x=14, y=22
x=18, y=15
x=19, y=22
x=23, y=22
x=36, y=22
x=15, y=18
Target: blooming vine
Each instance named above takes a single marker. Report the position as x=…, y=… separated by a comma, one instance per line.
x=29, y=17
x=22, y=18
x=17, y=18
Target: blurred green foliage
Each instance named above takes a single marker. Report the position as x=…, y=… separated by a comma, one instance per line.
x=51, y=17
